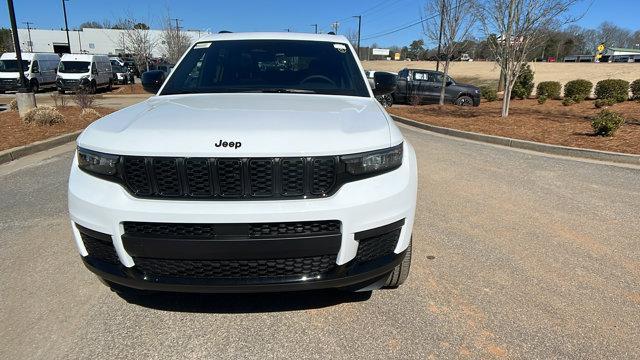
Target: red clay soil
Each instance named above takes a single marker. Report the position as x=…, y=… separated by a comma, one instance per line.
x=128, y=89
x=16, y=133
x=550, y=123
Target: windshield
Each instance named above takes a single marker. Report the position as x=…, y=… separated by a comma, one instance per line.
x=77, y=67
x=268, y=66
x=12, y=65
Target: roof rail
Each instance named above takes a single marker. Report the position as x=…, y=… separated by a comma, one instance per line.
x=224, y=32
x=331, y=33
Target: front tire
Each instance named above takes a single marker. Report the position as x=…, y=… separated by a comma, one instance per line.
x=401, y=271
x=35, y=86
x=464, y=100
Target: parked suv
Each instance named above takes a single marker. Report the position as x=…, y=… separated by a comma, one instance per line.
x=424, y=86
x=263, y=163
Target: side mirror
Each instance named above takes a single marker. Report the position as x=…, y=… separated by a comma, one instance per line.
x=449, y=83
x=384, y=83
x=152, y=80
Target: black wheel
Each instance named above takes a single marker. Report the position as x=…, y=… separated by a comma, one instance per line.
x=386, y=100
x=35, y=86
x=400, y=272
x=110, y=85
x=61, y=92
x=464, y=100
x=92, y=88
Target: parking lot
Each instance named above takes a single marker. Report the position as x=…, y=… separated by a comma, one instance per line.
x=516, y=255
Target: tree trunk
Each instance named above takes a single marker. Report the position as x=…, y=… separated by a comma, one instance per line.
x=506, y=98
x=443, y=84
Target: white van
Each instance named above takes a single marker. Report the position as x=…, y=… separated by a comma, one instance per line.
x=84, y=71
x=39, y=69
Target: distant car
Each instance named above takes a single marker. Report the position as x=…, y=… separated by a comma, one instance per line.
x=121, y=74
x=385, y=100
x=426, y=86
x=465, y=57
x=133, y=67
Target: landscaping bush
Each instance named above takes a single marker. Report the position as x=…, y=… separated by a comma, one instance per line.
x=488, y=93
x=43, y=115
x=58, y=99
x=89, y=114
x=606, y=122
x=13, y=105
x=615, y=89
x=542, y=99
x=578, y=87
x=577, y=98
x=83, y=99
x=524, y=84
x=568, y=101
x=600, y=103
x=549, y=89
x=635, y=89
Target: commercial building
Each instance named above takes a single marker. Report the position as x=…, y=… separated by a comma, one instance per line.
x=89, y=41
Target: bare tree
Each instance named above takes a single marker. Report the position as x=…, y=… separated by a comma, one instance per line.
x=520, y=26
x=457, y=18
x=135, y=40
x=174, y=41
x=352, y=36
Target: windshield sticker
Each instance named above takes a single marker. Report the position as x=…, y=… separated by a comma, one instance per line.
x=340, y=47
x=202, y=45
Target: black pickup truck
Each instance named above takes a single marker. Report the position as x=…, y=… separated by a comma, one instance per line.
x=424, y=86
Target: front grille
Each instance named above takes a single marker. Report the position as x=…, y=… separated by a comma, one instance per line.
x=230, y=178
x=296, y=267
x=100, y=249
x=69, y=81
x=376, y=247
x=251, y=230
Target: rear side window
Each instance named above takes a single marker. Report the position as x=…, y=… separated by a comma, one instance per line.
x=268, y=66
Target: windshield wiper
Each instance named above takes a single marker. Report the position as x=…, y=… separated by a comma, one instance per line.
x=282, y=90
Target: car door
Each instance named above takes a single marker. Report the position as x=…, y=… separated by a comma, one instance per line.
x=402, y=83
x=435, y=85
x=421, y=87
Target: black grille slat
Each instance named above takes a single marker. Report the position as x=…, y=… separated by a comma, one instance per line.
x=229, y=178
x=292, y=176
x=295, y=267
x=198, y=177
x=261, y=177
x=323, y=175
x=252, y=230
x=378, y=246
x=136, y=176
x=100, y=249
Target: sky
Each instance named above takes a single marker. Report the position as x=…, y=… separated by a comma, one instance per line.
x=378, y=16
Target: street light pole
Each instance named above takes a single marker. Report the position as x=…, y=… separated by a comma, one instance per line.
x=28, y=23
x=25, y=98
x=66, y=25
x=440, y=34
x=359, y=28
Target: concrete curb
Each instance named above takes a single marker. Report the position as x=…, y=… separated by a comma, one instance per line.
x=527, y=145
x=20, y=151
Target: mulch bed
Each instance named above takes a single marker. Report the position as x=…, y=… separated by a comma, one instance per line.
x=129, y=89
x=550, y=123
x=16, y=133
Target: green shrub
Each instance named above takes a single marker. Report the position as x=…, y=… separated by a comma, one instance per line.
x=524, y=84
x=542, y=99
x=635, y=89
x=488, y=93
x=568, y=101
x=600, y=103
x=615, y=89
x=577, y=98
x=578, y=87
x=13, y=105
x=606, y=122
x=549, y=89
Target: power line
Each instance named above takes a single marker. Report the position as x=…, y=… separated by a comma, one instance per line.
x=412, y=24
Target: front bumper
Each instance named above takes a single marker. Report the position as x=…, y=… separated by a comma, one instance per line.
x=9, y=85
x=72, y=86
x=103, y=206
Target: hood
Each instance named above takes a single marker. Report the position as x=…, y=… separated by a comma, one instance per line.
x=73, y=76
x=468, y=86
x=199, y=125
x=12, y=74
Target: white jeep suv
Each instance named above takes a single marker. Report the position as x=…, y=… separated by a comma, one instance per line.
x=263, y=163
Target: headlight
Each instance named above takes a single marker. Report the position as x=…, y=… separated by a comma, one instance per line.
x=377, y=161
x=97, y=163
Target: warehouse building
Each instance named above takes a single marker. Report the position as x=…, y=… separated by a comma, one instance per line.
x=88, y=40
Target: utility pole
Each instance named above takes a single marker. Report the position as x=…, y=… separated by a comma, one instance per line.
x=28, y=23
x=177, y=26
x=440, y=35
x=335, y=26
x=287, y=30
x=316, y=27
x=359, y=29
x=25, y=98
x=66, y=25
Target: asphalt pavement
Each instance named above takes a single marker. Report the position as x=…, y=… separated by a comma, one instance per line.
x=516, y=255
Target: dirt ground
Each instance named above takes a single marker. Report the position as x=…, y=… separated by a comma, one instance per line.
x=129, y=89
x=550, y=123
x=16, y=133
x=485, y=71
